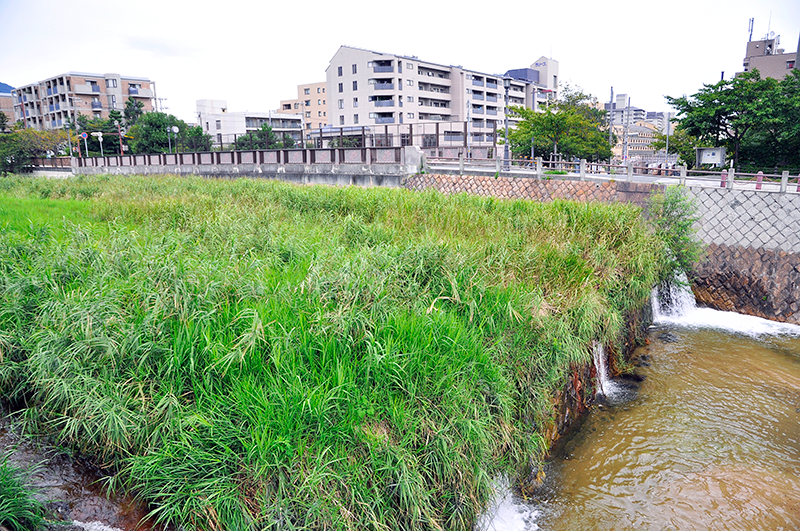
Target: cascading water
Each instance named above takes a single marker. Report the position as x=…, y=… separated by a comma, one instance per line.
x=605, y=385
x=675, y=305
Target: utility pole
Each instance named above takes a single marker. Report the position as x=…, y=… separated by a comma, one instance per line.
x=611, y=117
x=625, y=135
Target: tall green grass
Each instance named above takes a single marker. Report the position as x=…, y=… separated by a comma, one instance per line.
x=256, y=355
x=19, y=510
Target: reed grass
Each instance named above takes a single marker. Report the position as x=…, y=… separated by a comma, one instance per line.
x=256, y=355
x=19, y=509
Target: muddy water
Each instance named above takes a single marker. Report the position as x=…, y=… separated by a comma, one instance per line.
x=709, y=440
x=72, y=490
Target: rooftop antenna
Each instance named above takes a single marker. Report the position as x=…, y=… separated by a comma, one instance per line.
x=769, y=23
x=750, y=29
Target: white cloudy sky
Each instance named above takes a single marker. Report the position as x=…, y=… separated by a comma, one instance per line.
x=254, y=54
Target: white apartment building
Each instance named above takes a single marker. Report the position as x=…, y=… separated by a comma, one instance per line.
x=623, y=113
x=378, y=90
x=225, y=126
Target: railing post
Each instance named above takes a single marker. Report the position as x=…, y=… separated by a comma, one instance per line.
x=723, y=183
x=683, y=175
x=784, y=181
x=731, y=174
x=759, y=179
x=583, y=169
x=630, y=171
x=496, y=164
x=539, y=169
x=461, y=164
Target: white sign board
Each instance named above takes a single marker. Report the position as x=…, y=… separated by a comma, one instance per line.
x=714, y=156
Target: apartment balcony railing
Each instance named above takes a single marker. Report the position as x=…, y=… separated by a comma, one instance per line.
x=492, y=112
x=384, y=103
x=491, y=97
x=133, y=90
x=384, y=86
x=477, y=110
x=56, y=107
x=384, y=120
x=95, y=88
x=97, y=105
x=378, y=68
x=477, y=82
x=52, y=90
x=477, y=96
x=491, y=85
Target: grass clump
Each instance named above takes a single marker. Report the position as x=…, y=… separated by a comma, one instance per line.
x=19, y=510
x=257, y=355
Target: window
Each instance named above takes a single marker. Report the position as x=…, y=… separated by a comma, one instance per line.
x=296, y=105
x=410, y=82
x=306, y=91
x=113, y=102
x=410, y=66
x=340, y=71
x=355, y=118
x=411, y=115
x=400, y=84
x=341, y=104
x=323, y=90
x=341, y=120
x=111, y=83
x=355, y=69
x=308, y=114
x=341, y=87
x=206, y=127
x=219, y=125
x=319, y=102
x=308, y=103
x=287, y=106
x=789, y=64
x=319, y=113
x=355, y=102
x=355, y=85
x=319, y=89
x=410, y=98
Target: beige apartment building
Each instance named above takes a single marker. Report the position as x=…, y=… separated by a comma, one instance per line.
x=50, y=103
x=7, y=107
x=312, y=102
x=770, y=61
x=383, y=91
x=640, y=138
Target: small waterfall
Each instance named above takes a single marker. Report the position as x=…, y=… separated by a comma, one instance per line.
x=507, y=512
x=605, y=385
x=674, y=304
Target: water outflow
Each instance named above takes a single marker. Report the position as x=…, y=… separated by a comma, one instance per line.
x=605, y=386
x=675, y=304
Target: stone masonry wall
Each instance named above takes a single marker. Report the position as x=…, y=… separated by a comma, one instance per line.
x=752, y=264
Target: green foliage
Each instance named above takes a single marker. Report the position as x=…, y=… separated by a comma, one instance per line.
x=345, y=142
x=256, y=355
x=19, y=147
x=572, y=126
x=133, y=110
x=263, y=138
x=194, y=139
x=3, y=122
x=755, y=119
x=149, y=135
x=19, y=510
x=673, y=214
x=680, y=142
x=111, y=145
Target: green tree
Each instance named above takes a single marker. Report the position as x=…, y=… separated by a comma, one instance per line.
x=133, y=110
x=18, y=148
x=194, y=139
x=724, y=113
x=3, y=121
x=680, y=142
x=149, y=135
x=263, y=138
x=111, y=145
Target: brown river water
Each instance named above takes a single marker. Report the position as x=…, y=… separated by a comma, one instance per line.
x=710, y=439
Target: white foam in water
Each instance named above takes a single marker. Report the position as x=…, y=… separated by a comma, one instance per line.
x=682, y=310
x=605, y=385
x=505, y=513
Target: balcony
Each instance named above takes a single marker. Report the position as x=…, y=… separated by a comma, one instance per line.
x=133, y=90
x=384, y=103
x=97, y=105
x=492, y=112
x=491, y=85
x=384, y=120
x=491, y=97
x=477, y=96
x=378, y=68
x=477, y=110
x=383, y=86
x=95, y=88
x=477, y=82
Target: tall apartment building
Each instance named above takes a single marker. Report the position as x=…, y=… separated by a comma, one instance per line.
x=770, y=61
x=225, y=126
x=7, y=103
x=50, y=103
x=368, y=88
x=622, y=113
x=312, y=102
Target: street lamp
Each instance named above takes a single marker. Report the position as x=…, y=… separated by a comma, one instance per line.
x=119, y=133
x=506, y=85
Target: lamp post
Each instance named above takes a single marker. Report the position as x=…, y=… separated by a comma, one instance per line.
x=119, y=133
x=506, y=85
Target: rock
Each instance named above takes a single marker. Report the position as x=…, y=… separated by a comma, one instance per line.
x=668, y=337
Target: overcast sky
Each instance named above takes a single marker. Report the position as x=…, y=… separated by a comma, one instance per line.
x=254, y=54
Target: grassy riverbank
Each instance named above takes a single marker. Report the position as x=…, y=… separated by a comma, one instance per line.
x=252, y=354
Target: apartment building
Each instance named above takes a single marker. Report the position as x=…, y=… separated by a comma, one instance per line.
x=377, y=90
x=7, y=103
x=225, y=126
x=770, y=61
x=623, y=113
x=50, y=103
x=640, y=137
x=312, y=102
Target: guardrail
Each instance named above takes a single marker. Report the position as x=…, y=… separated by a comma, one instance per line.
x=583, y=170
